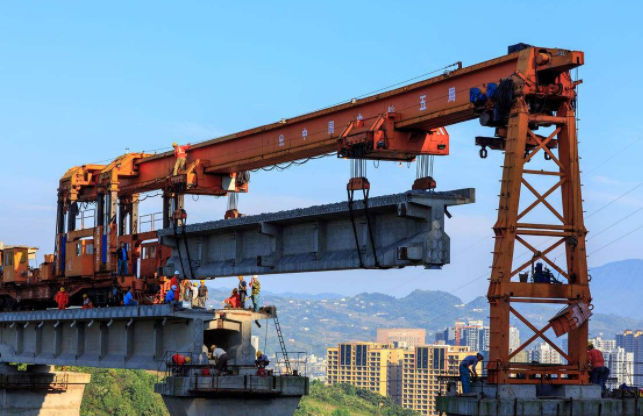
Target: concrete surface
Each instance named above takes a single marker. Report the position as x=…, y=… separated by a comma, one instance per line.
x=408, y=230
x=232, y=395
x=39, y=392
x=141, y=337
x=535, y=400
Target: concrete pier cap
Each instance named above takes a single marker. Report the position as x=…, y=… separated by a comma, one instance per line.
x=40, y=391
x=536, y=400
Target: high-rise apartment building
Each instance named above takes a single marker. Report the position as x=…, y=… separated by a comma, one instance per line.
x=621, y=365
x=473, y=334
x=603, y=344
x=545, y=354
x=617, y=359
x=402, y=336
x=366, y=365
x=420, y=371
x=408, y=375
x=514, y=338
x=632, y=341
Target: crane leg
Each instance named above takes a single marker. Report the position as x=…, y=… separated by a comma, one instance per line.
x=567, y=230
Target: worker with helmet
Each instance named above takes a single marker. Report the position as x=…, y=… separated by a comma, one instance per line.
x=220, y=358
x=255, y=290
x=202, y=295
x=243, y=291
x=468, y=369
x=178, y=363
x=261, y=362
x=62, y=298
x=87, y=302
x=180, y=152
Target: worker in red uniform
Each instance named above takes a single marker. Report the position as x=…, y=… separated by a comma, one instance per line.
x=178, y=362
x=598, y=373
x=180, y=152
x=62, y=298
x=233, y=302
x=174, y=283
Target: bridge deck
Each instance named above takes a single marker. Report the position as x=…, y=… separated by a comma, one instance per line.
x=137, y=337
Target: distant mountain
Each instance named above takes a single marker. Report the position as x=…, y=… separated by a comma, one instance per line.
x=307, y=296
x=617, y=288
x=311, y=323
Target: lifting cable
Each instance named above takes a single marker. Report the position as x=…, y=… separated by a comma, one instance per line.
x=352, y=216
x=358, y=170
x=178, y=246
x=187, y=250
x=370, y=228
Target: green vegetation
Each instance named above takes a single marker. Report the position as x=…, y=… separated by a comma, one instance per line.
x=347, y=400
x=114, y=392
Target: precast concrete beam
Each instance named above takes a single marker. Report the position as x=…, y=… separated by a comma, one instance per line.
x=391, y=231
x=134, y=337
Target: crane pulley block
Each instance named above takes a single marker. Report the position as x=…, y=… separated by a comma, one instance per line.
x=382, y=141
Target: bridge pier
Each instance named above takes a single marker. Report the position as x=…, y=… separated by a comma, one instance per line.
x=191, y=393
x=232, y=395
x=40, y=391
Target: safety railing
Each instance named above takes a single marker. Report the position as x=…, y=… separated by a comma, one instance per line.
x=148, y=222
x=298, y=361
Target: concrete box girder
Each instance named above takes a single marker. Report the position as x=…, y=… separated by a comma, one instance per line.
x=407, y=229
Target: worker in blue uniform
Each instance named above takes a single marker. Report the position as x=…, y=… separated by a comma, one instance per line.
x=467, y=368
x=129, y=299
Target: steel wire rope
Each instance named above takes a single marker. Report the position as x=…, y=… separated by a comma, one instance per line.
x=388, y=87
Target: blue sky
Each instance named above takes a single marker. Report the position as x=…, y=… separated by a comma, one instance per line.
x=82, y=82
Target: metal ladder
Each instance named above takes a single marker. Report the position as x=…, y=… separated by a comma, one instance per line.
x=282, y=344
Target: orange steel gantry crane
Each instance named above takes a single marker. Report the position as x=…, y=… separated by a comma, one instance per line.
x=517, y=94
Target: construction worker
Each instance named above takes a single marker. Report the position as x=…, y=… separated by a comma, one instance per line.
x=180, y=152
x=174, y=283
x=87, y=302
x=188, y=293
x=255, y=290
x=233, y=301
x=122, y=256
x=62, y=298
x=178, y=363
x=261, y=362
x=467, y=369
x=169, y=296
x=129, y=299
x=598, y=373
x=202, y=295
x=243, y=291
x=220, y=358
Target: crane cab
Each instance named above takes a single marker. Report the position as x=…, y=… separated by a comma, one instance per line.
x=15, y=263
x=79, y=259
